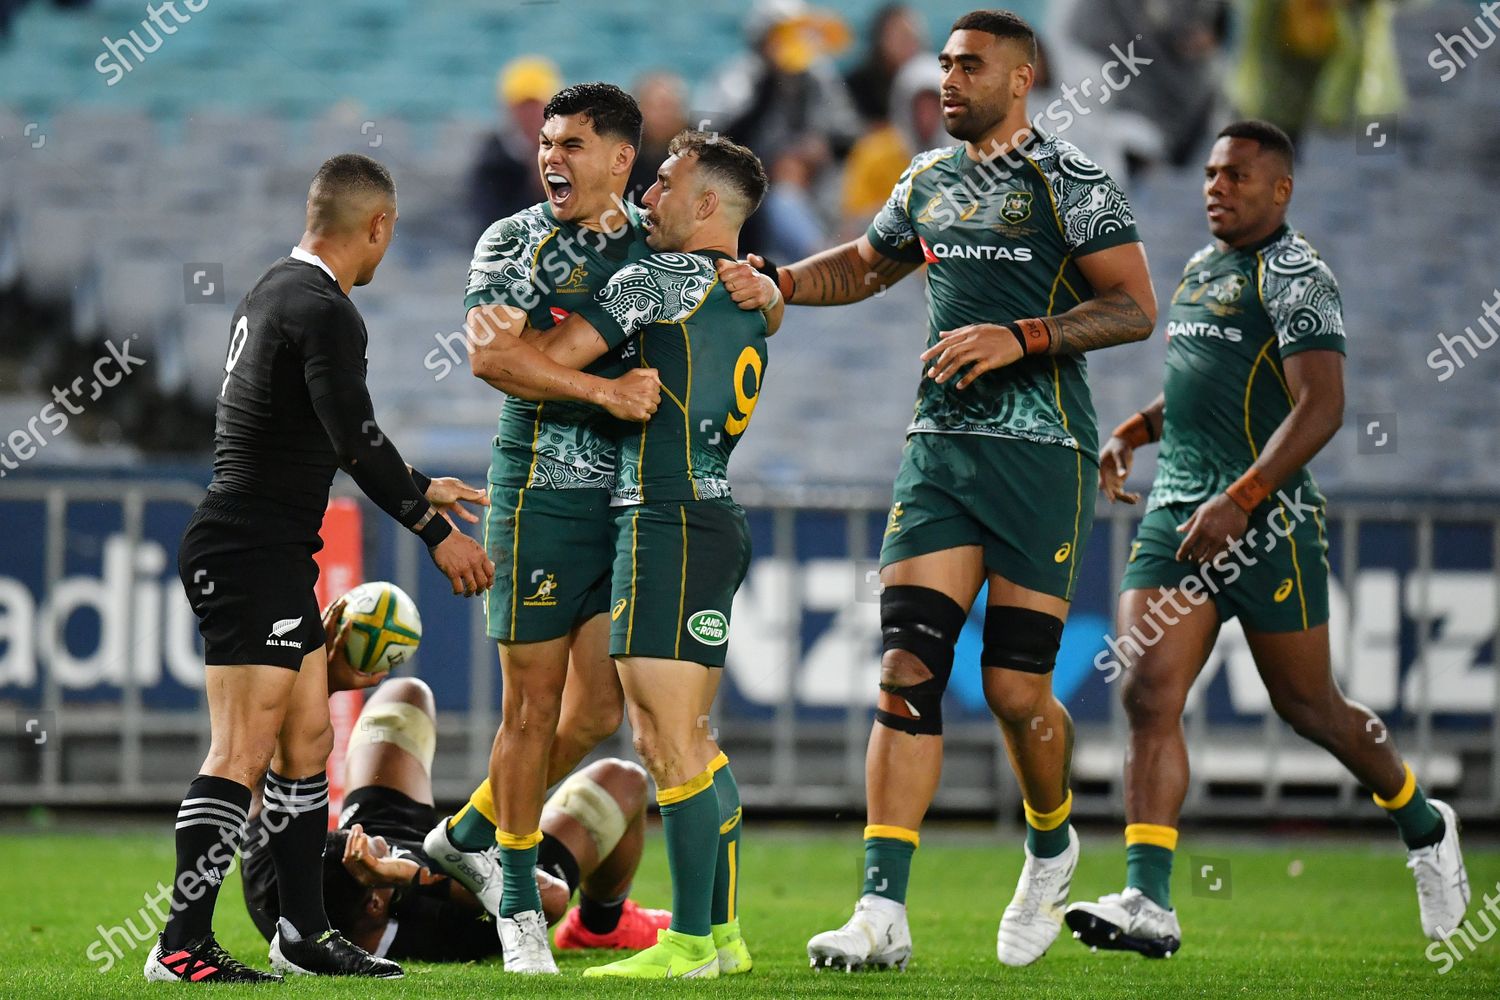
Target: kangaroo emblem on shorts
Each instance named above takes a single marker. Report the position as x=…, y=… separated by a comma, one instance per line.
x=545, y=591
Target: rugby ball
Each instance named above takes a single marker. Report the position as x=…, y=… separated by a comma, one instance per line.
x=384, y=627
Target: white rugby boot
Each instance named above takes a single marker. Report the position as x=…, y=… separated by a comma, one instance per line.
x=1126, y=921
x=876, y=937
x=477, y=871
x=523, y=939
x=1034, y=917
x=1442, y=881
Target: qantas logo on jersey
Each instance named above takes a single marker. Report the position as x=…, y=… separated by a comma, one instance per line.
x=1213, y=331
x=934, y=252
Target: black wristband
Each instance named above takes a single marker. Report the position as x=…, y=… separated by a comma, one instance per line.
x=1151, y=432
x=435, y=530
x=1034, y=336
x=769, y=269
x=422, y=481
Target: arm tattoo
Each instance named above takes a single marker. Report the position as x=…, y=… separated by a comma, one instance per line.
x=839, y=276
x=1112, y=318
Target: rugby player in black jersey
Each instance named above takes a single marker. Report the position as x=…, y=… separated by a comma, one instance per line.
x=293, y=408
x=385, y=884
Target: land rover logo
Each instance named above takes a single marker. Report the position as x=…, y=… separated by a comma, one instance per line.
x=709, y=628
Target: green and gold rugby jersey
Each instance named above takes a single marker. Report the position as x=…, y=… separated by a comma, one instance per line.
x=1001, y=240
x=711, y=355
x=1234, y=316
x=532, y=261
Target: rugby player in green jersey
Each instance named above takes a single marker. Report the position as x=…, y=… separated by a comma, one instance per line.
x=683, y=544
x=1234, y=528
x=548, y=528
x=1032, y=259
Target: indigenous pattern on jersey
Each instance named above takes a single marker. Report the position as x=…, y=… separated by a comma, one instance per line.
x=1001, y=240
x=711, y=355
x=1236, y=314
x=532, y=261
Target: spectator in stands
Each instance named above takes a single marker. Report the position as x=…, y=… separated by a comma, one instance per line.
x=663, y=100
x=1305, y=63
x=1119, y=141
x=785, y=100
x=897, y=35
x=504, y=179
x=915, y=123
x=1179, y=90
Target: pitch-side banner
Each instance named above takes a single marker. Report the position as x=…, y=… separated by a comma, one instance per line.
x=806, y=620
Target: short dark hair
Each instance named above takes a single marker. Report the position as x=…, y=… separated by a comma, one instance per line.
x=340, y=181
x=1271, y=138
x=613, y=112
x=1002, y=24
x=343, y=896
x=725, y=160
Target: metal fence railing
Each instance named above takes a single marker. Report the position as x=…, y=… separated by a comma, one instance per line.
x=1420, y=596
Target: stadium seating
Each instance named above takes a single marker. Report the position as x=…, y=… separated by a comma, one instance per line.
x=203, y=153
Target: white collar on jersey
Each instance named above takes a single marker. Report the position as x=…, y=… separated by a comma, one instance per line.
x=311, y=258
x=387, y=939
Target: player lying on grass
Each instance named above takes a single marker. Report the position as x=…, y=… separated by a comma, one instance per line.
x=1032, y=261
x=293, y=409
x=1254, y=389
x=400, y=898
x=683, y=545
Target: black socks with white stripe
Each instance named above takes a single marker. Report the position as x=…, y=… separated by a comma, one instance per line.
x=210, y=823
x=296, y=816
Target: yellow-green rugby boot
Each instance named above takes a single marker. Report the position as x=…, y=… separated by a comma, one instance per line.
x=734, y=956
x=673, y=956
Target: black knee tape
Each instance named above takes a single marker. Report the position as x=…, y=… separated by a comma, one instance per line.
x=925, y=623
x=1020, y=639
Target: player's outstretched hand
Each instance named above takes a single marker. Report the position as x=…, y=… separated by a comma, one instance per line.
x=1114, y=466
x=449, y=495
x=634, y=395
x=463, y=562
x=983, y=347
x=749, y=288
x=1212, y=527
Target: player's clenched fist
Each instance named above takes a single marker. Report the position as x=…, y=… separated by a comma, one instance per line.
x=749, y=288
x=463, y=562
x=1115, y=459
x=634, y=395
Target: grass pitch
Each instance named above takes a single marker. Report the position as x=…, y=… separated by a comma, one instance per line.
x=1294, y=918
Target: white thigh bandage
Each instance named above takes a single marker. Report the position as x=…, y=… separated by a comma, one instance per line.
x=591, y=805
x=399, y=724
